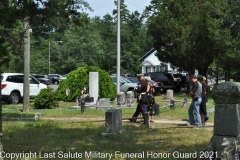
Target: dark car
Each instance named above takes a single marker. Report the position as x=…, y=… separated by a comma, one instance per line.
x=158, y=86
x=165, y=78
x=42, y=78
x=55, y=78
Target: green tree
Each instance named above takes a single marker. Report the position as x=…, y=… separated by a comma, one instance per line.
x=186, y=32
x=45, y=18
x=229, y=56
x=79, y=78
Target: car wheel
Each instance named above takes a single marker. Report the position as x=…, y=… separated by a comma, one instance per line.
x=14, y=98
x=56, y=82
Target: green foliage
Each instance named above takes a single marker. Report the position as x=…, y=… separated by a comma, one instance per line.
x=185, y=32
x=77, y=79
x=47, y=99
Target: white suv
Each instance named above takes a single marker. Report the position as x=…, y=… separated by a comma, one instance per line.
x=12, y=87
x=125, y=85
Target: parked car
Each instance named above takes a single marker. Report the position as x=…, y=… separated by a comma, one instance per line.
x=55, y=78
x=126, y=75
x=126, y=85
x=42, y=78
x=12, y=87
x=158, y=86
x=166, y=79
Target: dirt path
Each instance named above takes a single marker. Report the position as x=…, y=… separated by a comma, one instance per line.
x=81, y=119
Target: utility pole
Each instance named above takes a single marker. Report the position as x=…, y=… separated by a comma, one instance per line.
x=26, y=73
x=49, y=55
x=118, y=46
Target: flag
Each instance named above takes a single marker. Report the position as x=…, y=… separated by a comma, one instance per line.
x=97, y=104
x=67, y=91
x=77, y=103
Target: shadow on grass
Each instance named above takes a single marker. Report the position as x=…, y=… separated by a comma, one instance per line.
x=63, y=137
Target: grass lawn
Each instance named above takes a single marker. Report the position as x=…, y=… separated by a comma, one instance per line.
x=69, y=138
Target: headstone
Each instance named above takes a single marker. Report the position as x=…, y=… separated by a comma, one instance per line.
x=157, y=110
x=113, y=121
x=89, y=99
x=169, y=94
x=146, y=119
x=172, y=104
x=184, y=101
x=121, y=98
x=226, y=120
x=93, y=85
x=129, y=98
x=83, y=108
x=104, y=102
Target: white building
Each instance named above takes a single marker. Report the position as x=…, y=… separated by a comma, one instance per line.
x=151, y=63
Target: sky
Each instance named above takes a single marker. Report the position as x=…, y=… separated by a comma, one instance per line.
x=102, y=7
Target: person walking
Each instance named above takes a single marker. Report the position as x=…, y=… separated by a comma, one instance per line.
x=142, y=98
x=151, y=99
x=203, y=105
x=193, y=109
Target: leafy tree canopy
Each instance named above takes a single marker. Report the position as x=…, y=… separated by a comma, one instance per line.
x=185, y=32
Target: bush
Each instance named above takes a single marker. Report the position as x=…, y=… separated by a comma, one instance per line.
x=46, y=99
x=77, y=79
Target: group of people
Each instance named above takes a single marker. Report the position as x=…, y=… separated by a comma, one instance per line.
x=145, y=98
x=197, y=111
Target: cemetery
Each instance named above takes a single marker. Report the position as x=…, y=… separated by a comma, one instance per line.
x=93, y=130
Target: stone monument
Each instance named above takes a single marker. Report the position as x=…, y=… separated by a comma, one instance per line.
x=113, y=122
x=169, y=94
x=224, y=142
x=121, y=98
x=94, y=86
x=129, y=98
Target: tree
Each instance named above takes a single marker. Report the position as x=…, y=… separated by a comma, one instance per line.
x=79, y=78
x=186, y=32
x=45, y=17
x=229, y=57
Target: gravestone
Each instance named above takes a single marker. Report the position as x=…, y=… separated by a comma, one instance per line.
x=89, y=99
x=104, y=102
x=157, y=109
x=113, y=122
x=129, y=98
x=83, y=107
x=226, y=136
x=184, y=102
x=169, y=94
x=146, y=119
x=93, y=86
x=121, y=98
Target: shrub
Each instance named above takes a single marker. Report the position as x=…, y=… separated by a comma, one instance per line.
x=46, y=99
x=79, y=78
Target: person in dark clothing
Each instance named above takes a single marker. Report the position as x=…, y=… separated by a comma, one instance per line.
x=203, y=108
x=151, y=99
x=142, y=98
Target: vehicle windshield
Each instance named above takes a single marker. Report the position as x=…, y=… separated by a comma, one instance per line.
x=125, y=80
x=114, y=78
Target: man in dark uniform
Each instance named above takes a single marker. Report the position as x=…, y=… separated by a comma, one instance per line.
x=142, y=98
